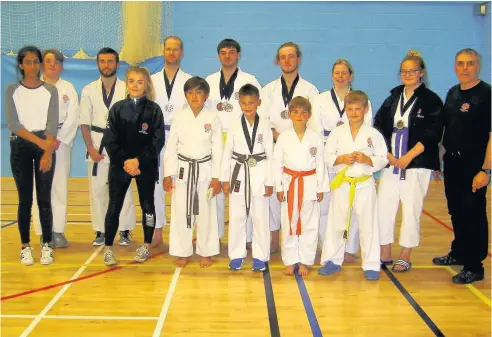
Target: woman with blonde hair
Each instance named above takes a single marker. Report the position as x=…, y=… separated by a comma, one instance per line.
x=409, y=120
x=133, y=140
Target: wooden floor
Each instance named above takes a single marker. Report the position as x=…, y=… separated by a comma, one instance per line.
x=78, y=296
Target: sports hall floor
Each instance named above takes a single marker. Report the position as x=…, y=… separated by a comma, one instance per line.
x=78, y=296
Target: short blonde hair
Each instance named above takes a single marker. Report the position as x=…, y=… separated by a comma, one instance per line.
x=288, y=44
x=149, y=88
x=356, y=96
x=300, y=102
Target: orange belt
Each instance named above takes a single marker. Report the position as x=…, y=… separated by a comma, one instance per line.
x=300, y=195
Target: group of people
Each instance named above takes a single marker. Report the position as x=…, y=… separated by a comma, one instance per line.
x=286, y=156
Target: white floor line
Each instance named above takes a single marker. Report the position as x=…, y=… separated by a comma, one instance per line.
x=131, y=318
x=167, y=304
x=60, y=293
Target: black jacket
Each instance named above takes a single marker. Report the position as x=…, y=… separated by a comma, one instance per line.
x=424, y=124
x=135, y=130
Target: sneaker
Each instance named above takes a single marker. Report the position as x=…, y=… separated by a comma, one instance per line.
x=143, y=254
x=46, y=254
x=26, y=256
x=109, y=259
x=371, y=275
x=259, y=265
x=60, y=241
x=99, y=240
x=125, y=238
x=466, y=277
x=236, y=264
x=446, y=260
x=41, y=243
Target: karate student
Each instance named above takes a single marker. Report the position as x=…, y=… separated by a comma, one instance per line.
x=246, y=176
x=409, y=121
x=168, y=85
x=67, y=129
x=224, y=98
x=31, y=112
x=276, y=97
x=328, y=113
x=355, y=150
x=191, y=170
x=134, y=139
x=300, y=181
x=96, y=100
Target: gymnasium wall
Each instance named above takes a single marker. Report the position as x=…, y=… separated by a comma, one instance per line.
x=373, y=36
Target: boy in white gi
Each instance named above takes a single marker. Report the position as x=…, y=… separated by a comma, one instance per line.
x=246, y=168
x=300, y=181
x=191, y=171
x=355, y=150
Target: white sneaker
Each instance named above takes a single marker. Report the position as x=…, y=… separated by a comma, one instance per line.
x=109, y=259
x=46, y=254
x=143, y=254
x=26, y=256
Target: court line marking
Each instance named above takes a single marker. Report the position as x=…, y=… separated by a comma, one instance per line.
x=116, y=318
x=270, y=301
x=9, y=224
x=60, y=293
x=167, y=303
x=427, y=320
x=472, y=288
x=308, y=306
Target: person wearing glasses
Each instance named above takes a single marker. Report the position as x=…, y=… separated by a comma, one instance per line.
x=409, y=120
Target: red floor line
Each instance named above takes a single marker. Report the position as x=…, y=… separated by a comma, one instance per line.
x=28, y=292
x=449, y=228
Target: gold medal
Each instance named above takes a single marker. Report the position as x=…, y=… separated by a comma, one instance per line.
x=400, y=125
x=219, y=106
x=284, y=114
x=251, y=162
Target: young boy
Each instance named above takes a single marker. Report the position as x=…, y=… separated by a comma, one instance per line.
x=248, y=154
x=300, y=181
x=191, y=171
x=355, y=151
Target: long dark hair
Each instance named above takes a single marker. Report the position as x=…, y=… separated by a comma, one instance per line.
x=22, y=54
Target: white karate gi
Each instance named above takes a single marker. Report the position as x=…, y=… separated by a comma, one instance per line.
x=259, y=176
x=410, y=191
x=296, y=155
x=93, y=112
x=169, y=106
x=325, y=118
x=226, y=117
x=194, y=138
x=371, y=143
x=67, y=129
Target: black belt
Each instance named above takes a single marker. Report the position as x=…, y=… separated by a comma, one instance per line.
x=101, y=148
x=192, y=204
x=247, y=161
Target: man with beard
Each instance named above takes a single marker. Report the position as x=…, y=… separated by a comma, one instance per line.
x=96, y=100
x=224, y=98
x=169, y=94
x=277, y=96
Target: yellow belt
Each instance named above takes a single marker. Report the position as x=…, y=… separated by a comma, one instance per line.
x=341, y=178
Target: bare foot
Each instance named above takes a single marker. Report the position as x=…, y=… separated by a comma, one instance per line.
x=181, y=262
x=205, y=262
x=303, y=270
x=289, y=270
x=248, y=245
x=157, y=239
x=347, y=258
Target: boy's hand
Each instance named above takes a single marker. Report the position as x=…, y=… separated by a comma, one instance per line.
x=167, y=184
x=403, y=162
x=360, y=157
x=280, y=196
x=268, y=191
x=320, y=196
x=391, y=159
x=216, y=186
x=226, y=187
x=46, y=162
x=349, y=158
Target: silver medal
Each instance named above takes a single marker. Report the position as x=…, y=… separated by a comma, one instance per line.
x=227, y=106
x=169, y=107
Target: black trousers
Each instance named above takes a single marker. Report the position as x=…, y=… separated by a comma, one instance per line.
x=119, y=181
x=467, y=209
x=25, y=158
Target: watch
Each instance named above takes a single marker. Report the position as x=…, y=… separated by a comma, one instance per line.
x=488, y=171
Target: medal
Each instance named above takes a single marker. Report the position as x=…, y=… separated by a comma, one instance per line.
x=340, y=122
x=219, y=106
x=169, y=107
x=284, y=114
x=227, y=106
x=251, y=162
x=400, y=125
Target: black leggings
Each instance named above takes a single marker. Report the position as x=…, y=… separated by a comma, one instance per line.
x=119, y=181
x=25, y=158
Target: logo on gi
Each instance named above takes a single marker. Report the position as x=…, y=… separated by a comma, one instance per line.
x=169, y=107
x=369, y=142
x=65, y=98
x=284, y=114
x=144, y=129
x=313, y=151
x=259, y=138
x=465, y=107
x=207, y=127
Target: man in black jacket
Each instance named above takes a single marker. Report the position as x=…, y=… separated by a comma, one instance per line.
x=466, y=118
